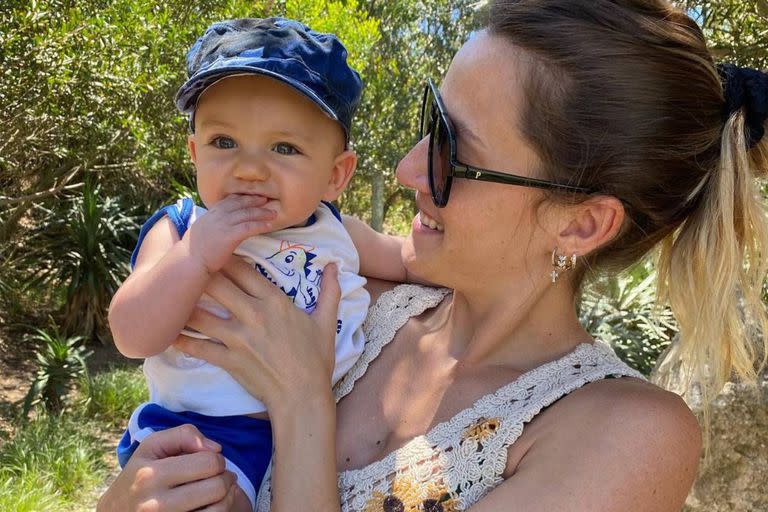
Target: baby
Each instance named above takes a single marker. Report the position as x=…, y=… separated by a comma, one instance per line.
x=270, y=104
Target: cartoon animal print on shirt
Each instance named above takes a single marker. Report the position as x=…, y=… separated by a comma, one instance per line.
x=301, y=279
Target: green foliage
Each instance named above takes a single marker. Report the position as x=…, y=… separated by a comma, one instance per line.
x=357, y=30
x=28, y=493
x=113, y=395
x=623, y=312
x=55, y=462
x=417, y=41
x=736, y=31
x=50, y=463
x=61, y=362
x=80, y=246
x=8, y=287
x=88, y=86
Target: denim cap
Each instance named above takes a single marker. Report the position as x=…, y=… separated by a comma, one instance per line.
x=313, y=63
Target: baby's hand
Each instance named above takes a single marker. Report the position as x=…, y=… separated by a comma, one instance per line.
x=214, y=236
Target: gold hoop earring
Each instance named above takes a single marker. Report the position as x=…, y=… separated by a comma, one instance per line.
x=561, y=264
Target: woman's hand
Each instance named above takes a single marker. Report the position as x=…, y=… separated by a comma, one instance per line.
x=284, y=357
x=276, y=351
x=175, y=470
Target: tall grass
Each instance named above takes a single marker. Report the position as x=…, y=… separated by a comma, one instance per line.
x=55, y=463
x=30, y=492
x=113, y=395
x=50, y=463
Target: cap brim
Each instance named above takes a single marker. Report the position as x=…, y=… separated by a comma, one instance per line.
x=189, y=93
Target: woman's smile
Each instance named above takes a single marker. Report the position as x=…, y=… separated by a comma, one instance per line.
x=427, y=221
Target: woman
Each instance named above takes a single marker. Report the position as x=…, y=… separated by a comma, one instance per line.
x=612, y=135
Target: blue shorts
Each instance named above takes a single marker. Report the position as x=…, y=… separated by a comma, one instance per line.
x=246, y=442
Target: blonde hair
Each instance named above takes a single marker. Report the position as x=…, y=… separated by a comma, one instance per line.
x=624, y=97
x=712, y=272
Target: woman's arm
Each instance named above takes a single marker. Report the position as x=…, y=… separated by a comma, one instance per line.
x=612, y=446
x=285, y=358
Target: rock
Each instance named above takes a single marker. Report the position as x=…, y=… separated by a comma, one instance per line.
x=736, y=476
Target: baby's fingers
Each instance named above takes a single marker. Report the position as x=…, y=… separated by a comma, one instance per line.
x=234, y=202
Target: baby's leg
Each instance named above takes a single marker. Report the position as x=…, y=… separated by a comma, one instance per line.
x=242, y=503
x=246, y=443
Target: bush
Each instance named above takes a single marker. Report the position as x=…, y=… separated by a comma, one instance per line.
x=623, y=312
x=81, y=245
x=61, y=363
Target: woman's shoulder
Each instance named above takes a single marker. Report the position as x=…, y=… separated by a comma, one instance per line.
x=632, y=411
x=612, y=441
x=650, y=428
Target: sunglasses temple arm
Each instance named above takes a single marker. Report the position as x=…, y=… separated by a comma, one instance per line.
x=472, y=173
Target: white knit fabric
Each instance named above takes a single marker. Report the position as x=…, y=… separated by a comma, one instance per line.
x=459, y=461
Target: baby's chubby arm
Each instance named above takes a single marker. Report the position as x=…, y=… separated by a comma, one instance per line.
x=152, y=306
x=379, y=253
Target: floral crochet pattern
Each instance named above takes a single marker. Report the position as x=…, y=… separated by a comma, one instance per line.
x=482, y=430
x=456, y=463
x=408, y=496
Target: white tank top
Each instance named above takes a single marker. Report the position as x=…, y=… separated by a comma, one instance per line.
x=292, y=259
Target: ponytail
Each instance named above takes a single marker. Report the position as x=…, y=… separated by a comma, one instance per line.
x=712, y=272
x=625, y=98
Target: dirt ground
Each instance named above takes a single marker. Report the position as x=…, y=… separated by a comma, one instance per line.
x=16, y=373
x=17, y=369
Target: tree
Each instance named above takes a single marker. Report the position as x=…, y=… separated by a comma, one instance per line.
x=736, y=31
x=86, y=89
x=418, y=40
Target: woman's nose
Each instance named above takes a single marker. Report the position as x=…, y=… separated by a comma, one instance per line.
x=412, y=169
x=252, y=167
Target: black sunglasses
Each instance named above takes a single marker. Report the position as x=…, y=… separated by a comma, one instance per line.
x=444, y=165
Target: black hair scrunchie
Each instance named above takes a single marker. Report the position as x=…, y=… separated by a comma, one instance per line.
x=746, y=88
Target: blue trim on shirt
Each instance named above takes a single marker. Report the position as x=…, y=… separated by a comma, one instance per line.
x=180, y=220
x=313, y=218
x=333, y=209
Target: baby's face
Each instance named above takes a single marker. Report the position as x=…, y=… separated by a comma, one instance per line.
x=256, y=135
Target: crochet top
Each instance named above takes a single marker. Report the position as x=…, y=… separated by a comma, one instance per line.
x=459, y=461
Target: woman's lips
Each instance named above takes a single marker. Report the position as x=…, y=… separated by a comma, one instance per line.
x=429, y=222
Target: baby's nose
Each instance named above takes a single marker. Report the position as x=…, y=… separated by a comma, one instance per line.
x=252, y=167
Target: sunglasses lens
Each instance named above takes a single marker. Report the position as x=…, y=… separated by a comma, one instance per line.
x=439, y=154
x=434, y=126
x=426, y=114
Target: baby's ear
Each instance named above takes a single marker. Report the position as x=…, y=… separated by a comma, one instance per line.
x=191, y=147
x=343, y=168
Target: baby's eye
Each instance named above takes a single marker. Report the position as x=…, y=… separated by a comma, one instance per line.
x=224, y=143
x=284, y=148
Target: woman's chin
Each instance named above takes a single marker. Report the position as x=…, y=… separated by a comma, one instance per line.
x=417, y=260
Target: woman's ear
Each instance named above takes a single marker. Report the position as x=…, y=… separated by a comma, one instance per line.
x=591, y=225
x=343, y=168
